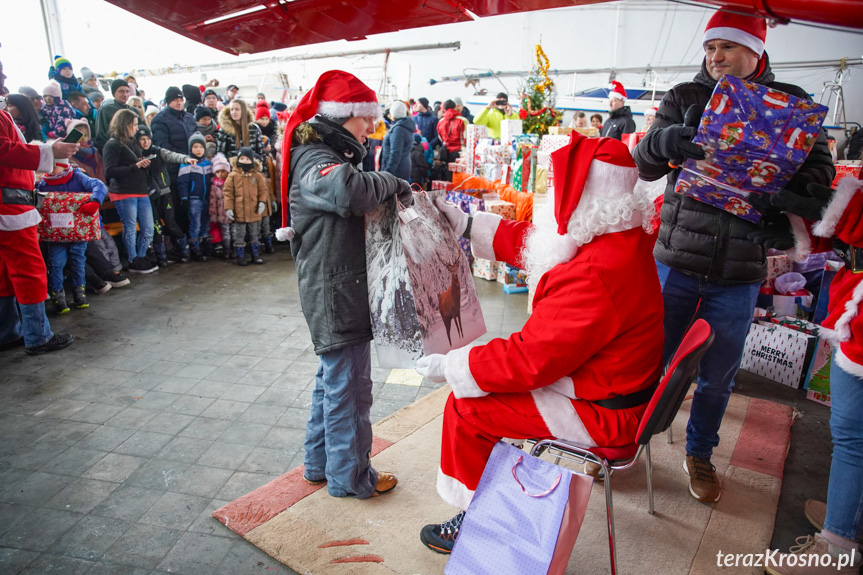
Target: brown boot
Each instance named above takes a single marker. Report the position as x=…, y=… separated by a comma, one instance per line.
x=386, y=482
x=703, y=483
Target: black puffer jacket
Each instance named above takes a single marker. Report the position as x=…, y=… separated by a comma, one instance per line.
x=698, y=239
x=329, y=197
x=619, y=122
x=123, y=175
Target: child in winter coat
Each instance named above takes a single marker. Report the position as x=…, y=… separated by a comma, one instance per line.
x=62, y=73
x=420, y=165
x=221, y=170
x=161, y=199
x=55, y=111
x=246, y=199
x=64, y=178
x=193, y=183
x=87, y=158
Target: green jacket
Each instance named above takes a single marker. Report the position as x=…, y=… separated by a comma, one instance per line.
x=103, y=120
x=491, y=119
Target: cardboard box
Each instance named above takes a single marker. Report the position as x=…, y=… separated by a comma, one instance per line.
x=560, y=131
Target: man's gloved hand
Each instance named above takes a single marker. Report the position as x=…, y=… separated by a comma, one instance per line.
x=230, y=214
x=261, y=207
x=405, y=194
x=431, y=368
x=457, y=219
x=808, y=202
x=90, y=208
x=774, y=231
x=675, y=142
x=760, y=202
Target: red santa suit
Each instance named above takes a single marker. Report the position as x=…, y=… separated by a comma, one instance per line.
x=22, y=269
x=843, y=219
x=595, y=331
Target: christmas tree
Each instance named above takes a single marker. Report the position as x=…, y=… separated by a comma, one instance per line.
x=537, y=98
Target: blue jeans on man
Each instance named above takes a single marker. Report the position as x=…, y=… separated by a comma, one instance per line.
x=58, y=254
x=134, y=213
x=728, y=309
x=339, y=429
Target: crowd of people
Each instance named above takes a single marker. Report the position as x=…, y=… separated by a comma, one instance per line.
x=202, y=174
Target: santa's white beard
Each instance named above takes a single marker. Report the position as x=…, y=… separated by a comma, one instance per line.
x=544, y=248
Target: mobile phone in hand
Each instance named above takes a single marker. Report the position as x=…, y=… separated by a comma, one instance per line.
x=74, y=136
x=150, y=157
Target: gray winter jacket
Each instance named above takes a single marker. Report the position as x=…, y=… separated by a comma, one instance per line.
x=329, y=197
x=698, y=239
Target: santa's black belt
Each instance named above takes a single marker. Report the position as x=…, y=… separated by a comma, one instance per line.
x=629, y=400
x=851, y=255
x=18, y=197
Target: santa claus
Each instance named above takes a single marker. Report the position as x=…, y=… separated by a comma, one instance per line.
x=587, y=360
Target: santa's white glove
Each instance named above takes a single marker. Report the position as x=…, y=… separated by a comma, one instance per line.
x=261, y=207
x=457, y=219
x=230, y=214
x=431, y=368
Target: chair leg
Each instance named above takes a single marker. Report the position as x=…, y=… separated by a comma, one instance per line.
x=609, y=508
x=649, y=479
x=670, y=436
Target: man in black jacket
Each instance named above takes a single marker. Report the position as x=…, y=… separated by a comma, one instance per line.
x=710, y=262
x=620, y=120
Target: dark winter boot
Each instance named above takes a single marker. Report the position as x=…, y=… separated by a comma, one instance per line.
x=161, y=254
x=80, y=297
x=268, y=245
x=58, y=298
x=185, y=253
x=241, y=256
x=227, y=252
x=256, y=254
x=207, y=248
x=197, y=255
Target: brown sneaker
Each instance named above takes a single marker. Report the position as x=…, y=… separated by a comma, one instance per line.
x=813, y=557
x=386, y=482
x=703, y=483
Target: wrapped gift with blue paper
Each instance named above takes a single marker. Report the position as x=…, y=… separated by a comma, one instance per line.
x=755, y=139
x=470, y=205
x=515, y=280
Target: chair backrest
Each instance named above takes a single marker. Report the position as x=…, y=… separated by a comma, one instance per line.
x=672, y=388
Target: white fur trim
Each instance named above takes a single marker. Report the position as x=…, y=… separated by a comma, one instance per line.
x=15, y=222
x=456, y=368
x=831, y=215
x=46, y=158
x=348, y=109
x=852, y=308
x=482, y=234
x=564, y=386
x=613, y=94
x=453, y=491
x=560, y=417
x=285, y=234
x=848, y=365
x=830, y=336
x=606, y=180
x=735, y=35
x=802, y=244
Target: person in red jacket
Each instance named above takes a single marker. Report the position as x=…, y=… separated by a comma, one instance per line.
x=586, y=362
x=841, y=519
x=23, y=278
x=451, y=129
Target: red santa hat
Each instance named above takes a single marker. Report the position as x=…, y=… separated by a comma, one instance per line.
x=617, y=90
x=745, y=30
x=651, y=111
x=607, y=161
x=336, y=94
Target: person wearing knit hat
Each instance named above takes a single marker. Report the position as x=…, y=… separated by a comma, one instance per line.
x=218, y=213
x=149, y=113
x=264, y=119
x=193, y=183
x=120, y=91
x=329, y=197
x=117, y=84
x=62, y=73
x=173, y=126
x=620, y=115
x=193, y=97
x=96, y=98
x=712, y=263
x=582, y=263
x=34, y=96
x=56, y=110
x=89, y=81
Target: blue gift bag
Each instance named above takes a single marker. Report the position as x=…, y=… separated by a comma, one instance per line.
x=524, y=517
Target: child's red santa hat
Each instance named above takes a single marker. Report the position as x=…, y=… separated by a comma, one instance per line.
x=606, y=160
x=745, y=30
x=336, y=94
x=617, y=90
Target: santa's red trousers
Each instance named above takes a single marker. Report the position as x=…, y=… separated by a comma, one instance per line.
x=472, y=426
x=22, y=269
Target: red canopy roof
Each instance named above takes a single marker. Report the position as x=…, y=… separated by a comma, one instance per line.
x=249, y=26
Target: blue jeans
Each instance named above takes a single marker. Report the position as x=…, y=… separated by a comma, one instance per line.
x=845, y=491
x=135, y=212
x=57, y=254
x=339, y=430
x=199, y=219
x=32, y=322
x=728, y=309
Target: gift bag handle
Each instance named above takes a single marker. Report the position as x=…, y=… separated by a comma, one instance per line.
x=544, y=493
x=415, y=188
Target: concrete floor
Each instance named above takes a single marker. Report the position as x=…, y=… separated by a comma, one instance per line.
x=189, y=388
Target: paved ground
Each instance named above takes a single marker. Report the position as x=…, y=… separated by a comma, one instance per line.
x=188, y=389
